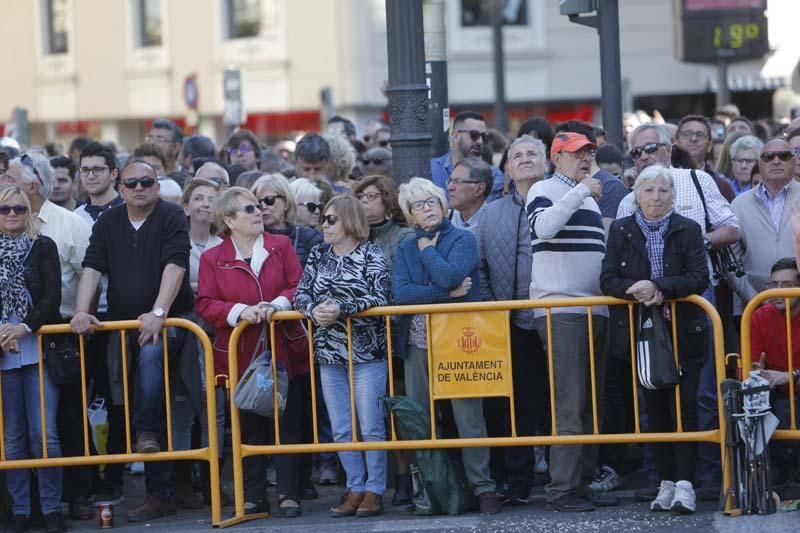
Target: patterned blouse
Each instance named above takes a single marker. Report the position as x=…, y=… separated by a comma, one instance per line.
x=356, y=282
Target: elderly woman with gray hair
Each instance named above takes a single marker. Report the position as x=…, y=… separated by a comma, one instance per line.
x=744, y=156
x=651, y=256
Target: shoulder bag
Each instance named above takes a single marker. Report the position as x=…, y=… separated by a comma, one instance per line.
x=255, y=390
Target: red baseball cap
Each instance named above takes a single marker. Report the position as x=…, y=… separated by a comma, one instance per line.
x=570, y=142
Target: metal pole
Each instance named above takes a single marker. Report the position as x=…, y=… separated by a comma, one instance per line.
x=436, y=73
x=500, y=107
x=723, y=94
x=408, y=94
x=610, y=70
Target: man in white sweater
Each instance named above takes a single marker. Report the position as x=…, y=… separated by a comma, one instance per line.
x=568, y=244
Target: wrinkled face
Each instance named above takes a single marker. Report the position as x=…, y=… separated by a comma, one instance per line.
x=643, y=142
x=62, y=186
x=526, y=163
x=199, y=207
x=13, y=222
x=693, y=137
x=743, y=164
x=244, y=154
x=426, y=211
x=372, y=200
x=655, y=198
x=305, y=169
x=462, y=191
x=139, y=186
x=774, y=168
x=332, y=227
x=783, y=279
x=13, y=176
x=96, y=176
x=273, y=207
x=468, y=138
x=246, y=221
x=164, y=139
x=575, y=165
x=309, y=210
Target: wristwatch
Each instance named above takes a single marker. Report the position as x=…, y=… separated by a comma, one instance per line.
x=707, y=243
x=796, y=375
x=158, y=311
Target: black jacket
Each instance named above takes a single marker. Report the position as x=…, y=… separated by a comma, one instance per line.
x=303, y=239
x=685, y=273
x=42, y=273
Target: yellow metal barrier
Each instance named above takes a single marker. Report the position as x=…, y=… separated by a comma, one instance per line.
x=209, y=453
x=241, y=451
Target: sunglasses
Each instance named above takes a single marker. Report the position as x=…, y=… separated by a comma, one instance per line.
x=17, y=209
x=783, y=155
x=131, y=183
x=269, y=200
x=311, y=206
x=28, y=162
x=241, y=149
x=372, y=161
x=474, y=134
x=249, y=208
x=330, y=220
x=648, y=148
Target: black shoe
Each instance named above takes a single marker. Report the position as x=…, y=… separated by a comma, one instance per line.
x=261, y=506
x=309, y=493
x=600, y=499
x=80, y=509
x=108, y=493
x=646, y=494
x=571, y=503
x=54, y=523
x=291, y=511
x=402, y=490
x=18, y=524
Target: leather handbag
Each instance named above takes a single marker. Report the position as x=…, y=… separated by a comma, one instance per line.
x=62, y=358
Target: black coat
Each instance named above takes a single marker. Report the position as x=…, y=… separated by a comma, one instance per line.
x=42, y=271
x=685, y=273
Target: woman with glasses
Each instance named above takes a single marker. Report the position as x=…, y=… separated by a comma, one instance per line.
x=344, y=276
x=309, y=200
x=30, y=296
x=744, y=157
x=439, y=266
x=387, y=227
x=279, y=211
x=243, y=149
x=249, y=276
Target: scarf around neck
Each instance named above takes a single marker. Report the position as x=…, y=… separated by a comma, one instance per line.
x=654, y=231
x=13, y=252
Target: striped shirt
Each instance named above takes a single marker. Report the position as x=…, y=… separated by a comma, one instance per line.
x=567, y=241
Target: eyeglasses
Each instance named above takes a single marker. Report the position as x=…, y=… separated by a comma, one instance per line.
x=582, y=153
x=459, y=181
x=648, y=148
x=783, y=155
x=428, y=202
x=28, y=162
x=474, y=134
x=97, y=171
x=744, y=160
x=330, y=220
x=17, y=209
x=686, y=135
x=270, y=200
x=243, y=148
x=376, y=161
x=157, y=139
x=369, y=196
x=131, y=183
x=311, y=206
x=249, y=208
x=769, y=285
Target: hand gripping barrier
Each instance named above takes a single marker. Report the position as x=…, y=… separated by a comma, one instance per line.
x=437, y=335
x=209, y=453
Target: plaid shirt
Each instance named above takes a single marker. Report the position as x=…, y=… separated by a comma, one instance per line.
x=654, y=231
x=571, y=183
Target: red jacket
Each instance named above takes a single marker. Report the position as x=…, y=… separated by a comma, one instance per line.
x=224, y=281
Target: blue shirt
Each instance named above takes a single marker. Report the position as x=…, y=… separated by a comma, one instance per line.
x=442, y=167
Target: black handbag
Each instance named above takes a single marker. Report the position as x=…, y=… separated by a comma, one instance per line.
x=62, y=358
x=655, y=362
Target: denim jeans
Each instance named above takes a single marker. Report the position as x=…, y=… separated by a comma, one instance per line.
x=369, y=382
x=23, y=437
x=709, y=467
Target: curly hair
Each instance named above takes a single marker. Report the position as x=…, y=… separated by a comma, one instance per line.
x=343, y=156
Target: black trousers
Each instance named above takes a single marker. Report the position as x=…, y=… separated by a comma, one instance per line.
x=674, y=461
x=259, y=430
x=618, y=408
x=514, y=464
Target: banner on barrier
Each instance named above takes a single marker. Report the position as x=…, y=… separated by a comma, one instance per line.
x=470, y=354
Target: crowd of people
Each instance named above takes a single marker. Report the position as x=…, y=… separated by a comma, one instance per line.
x=182, y=228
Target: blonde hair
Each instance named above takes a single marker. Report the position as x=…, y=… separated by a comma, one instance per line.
x=351, y=212
x=226, y=205
x=31, y=224
x=419, y=187
x=279, y=184
x=343, y=156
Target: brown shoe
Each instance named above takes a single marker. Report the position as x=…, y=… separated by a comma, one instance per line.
x=349, y=506
x=489, y=503
x=147, y=442
x=153, y=507
x=371, y=505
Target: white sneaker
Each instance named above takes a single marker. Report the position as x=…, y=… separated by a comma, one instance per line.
x=666, y=493
x=606, y=480
x=683, y=502
x=328, y=475
x=137, y=468
x=539, y=460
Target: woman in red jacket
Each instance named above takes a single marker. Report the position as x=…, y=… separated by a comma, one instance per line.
x=250, y=275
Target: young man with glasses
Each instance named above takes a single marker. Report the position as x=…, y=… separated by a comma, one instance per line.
x=143, y=246
x=466, y=139
x=98, y=174
x=694, y=136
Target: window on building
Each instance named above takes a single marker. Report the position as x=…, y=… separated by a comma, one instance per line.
x=244, y=18
x=148, y=22
x=479, y=13
x=55, y=23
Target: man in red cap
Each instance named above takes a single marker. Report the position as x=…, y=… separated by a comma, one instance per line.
x=568, y=245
